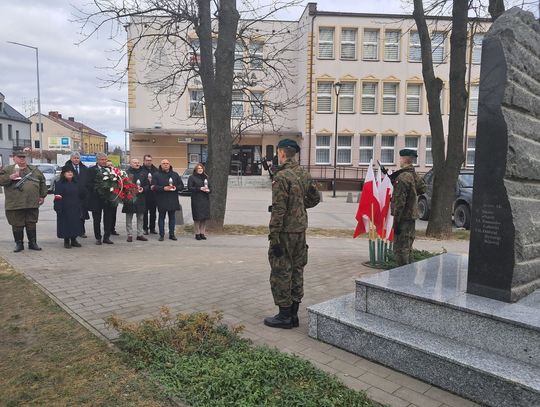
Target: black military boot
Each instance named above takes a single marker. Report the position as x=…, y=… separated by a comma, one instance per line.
x=67, y=243
x=74, y=242
x=294, y=314
x=18, y=235
x=32, y=243
x=281, y=320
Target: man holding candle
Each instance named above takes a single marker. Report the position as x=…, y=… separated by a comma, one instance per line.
x=166, y=183
x=149, y=220
x=140, y=178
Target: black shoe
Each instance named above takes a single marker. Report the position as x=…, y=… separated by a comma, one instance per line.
x=32, y=243
x=108, y=241
x=203, y=237
x=282, y=320
x=74, y=243
x=198, y=237
x=153, y=232
x=161, y=238
x=294, y=314
x=146, y=232
x=83, y=236
x=19, y=247
x=18, y=235
x=98, y=242
x=67, y=244
x=172, y=237
x=115, y=233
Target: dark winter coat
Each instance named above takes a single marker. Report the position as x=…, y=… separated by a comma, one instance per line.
x=95, y=202
x=150, y=195
x=139, y=206
x=200, y=201
x=68, y=209
x=167, y=200
x=82, y=179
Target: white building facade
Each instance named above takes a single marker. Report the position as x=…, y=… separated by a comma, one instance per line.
x=14, y=131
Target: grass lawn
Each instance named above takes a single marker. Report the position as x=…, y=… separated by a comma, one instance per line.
x=49, y=359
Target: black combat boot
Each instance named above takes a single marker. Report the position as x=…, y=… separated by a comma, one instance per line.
x=294, y=314
x=32, y=243
x=67, y=243
x=18, y=235
x=281, y=320
x=74, y=242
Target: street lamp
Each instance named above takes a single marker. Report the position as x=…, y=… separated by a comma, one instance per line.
x=125, y=127
x=38, y=96
x=337, y=88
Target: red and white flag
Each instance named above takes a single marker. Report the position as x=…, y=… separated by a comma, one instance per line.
x=368, y=207
x=385, y=193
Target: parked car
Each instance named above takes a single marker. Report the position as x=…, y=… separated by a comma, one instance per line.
x=51, y=173
x=462, y=201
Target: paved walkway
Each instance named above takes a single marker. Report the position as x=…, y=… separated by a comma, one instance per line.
x=230, y=273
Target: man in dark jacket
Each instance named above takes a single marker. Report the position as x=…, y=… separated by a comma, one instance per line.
x=149, y=220
x=167, y=183
x=81, y=176
x=138, y=177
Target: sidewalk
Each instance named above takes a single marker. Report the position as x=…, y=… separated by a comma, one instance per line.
x=229, y=273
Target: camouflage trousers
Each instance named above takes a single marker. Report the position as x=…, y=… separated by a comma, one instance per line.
x=287, y=271
x=403, y=242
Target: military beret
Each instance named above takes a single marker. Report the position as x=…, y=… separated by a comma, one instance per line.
x=289, y=143
x=407, y=152
x=19, y=151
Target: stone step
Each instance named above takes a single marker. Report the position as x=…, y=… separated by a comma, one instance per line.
x=484, y=377
x=429, y=295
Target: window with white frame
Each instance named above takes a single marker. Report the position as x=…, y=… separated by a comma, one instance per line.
x=388, y=144
x=326, y=43
x=238, y=57
x=411, y=142
x=369, y=97
x=10, y=132
x=196, y=105
x=195, y=52
x=429, y=155
x=324, y=97
x=237, y=104
x=414, y=98
x=390, y=95
x=256, y=101
x=322, y=150
x=371, y=45
x=392, y=40
x=366, y=148
x=473, y=100
x=347, y=97
x=415, y=52
x=344, y=150
x=478, y=38
x=348, y=43
x=471, y=148
x=438, y=39
x=256, y=55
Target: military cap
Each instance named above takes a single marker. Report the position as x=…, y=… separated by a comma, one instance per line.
x=407, y=152
x=19, y=151
x=289, y=143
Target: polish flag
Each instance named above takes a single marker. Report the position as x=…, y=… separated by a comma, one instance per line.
x=387, y=220
x=368, y=207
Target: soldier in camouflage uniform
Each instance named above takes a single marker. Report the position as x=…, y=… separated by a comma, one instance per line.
x=293, y=191
x=25, y=190
x=407, y=187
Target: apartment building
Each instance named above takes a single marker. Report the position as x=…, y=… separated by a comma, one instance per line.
x=14, y=130
x=372, y=59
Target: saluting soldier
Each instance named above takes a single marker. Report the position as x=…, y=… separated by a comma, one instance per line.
x=293, y=191
x=407, y=186
x=25, y=190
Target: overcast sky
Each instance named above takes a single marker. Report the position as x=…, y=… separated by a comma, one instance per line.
x=71, y=76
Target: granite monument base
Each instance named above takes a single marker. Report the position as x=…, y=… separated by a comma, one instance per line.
x=418, y=319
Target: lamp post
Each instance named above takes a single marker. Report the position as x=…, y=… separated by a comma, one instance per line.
x=38, y=96
x=337, y=88
x=125, y=127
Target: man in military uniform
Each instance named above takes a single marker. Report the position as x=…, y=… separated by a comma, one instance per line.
x=293, y=191
x=25, y=190
x=407, y=186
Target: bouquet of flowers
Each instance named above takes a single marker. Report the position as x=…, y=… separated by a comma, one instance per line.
x=114, y=185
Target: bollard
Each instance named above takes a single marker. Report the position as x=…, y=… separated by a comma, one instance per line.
x=320, y=196
x=179, y=216
x=349, y=197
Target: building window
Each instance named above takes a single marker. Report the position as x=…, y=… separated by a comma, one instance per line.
x=36, y=143
x=237, y=104
x=324, y=97
x=16, y=137
x=256, y=101
x=387, y=149
x=391, y=45
x=37, y=127
x=414, y=98
x=437, y=46
x=322, y=150
x=471, y=148
x=195, y=51
x=196, y=106
x=347, y=97
x=371, y=45
x=10, y=132
x=344, y=150
x=473, y=100
x=411, y=142
x=429, y=155
x=390, y=94
x=348, y=43
x=238, y=57
x=256, y=55
x=477, y=48
x=415, y=52
x=326, y=43
x=366, y=149
x=369, y=97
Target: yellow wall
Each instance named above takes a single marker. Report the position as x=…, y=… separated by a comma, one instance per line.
x=159, y=147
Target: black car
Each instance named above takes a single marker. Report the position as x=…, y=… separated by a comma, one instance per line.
x=462, y=202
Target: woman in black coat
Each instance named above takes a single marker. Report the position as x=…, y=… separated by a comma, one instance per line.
x=200, y=202
x=167, y=183
x=140, y=177
x=69, y=211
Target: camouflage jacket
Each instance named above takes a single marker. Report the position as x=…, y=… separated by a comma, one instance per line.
x=27, y=195
x=407, y=187
x=293, y=191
